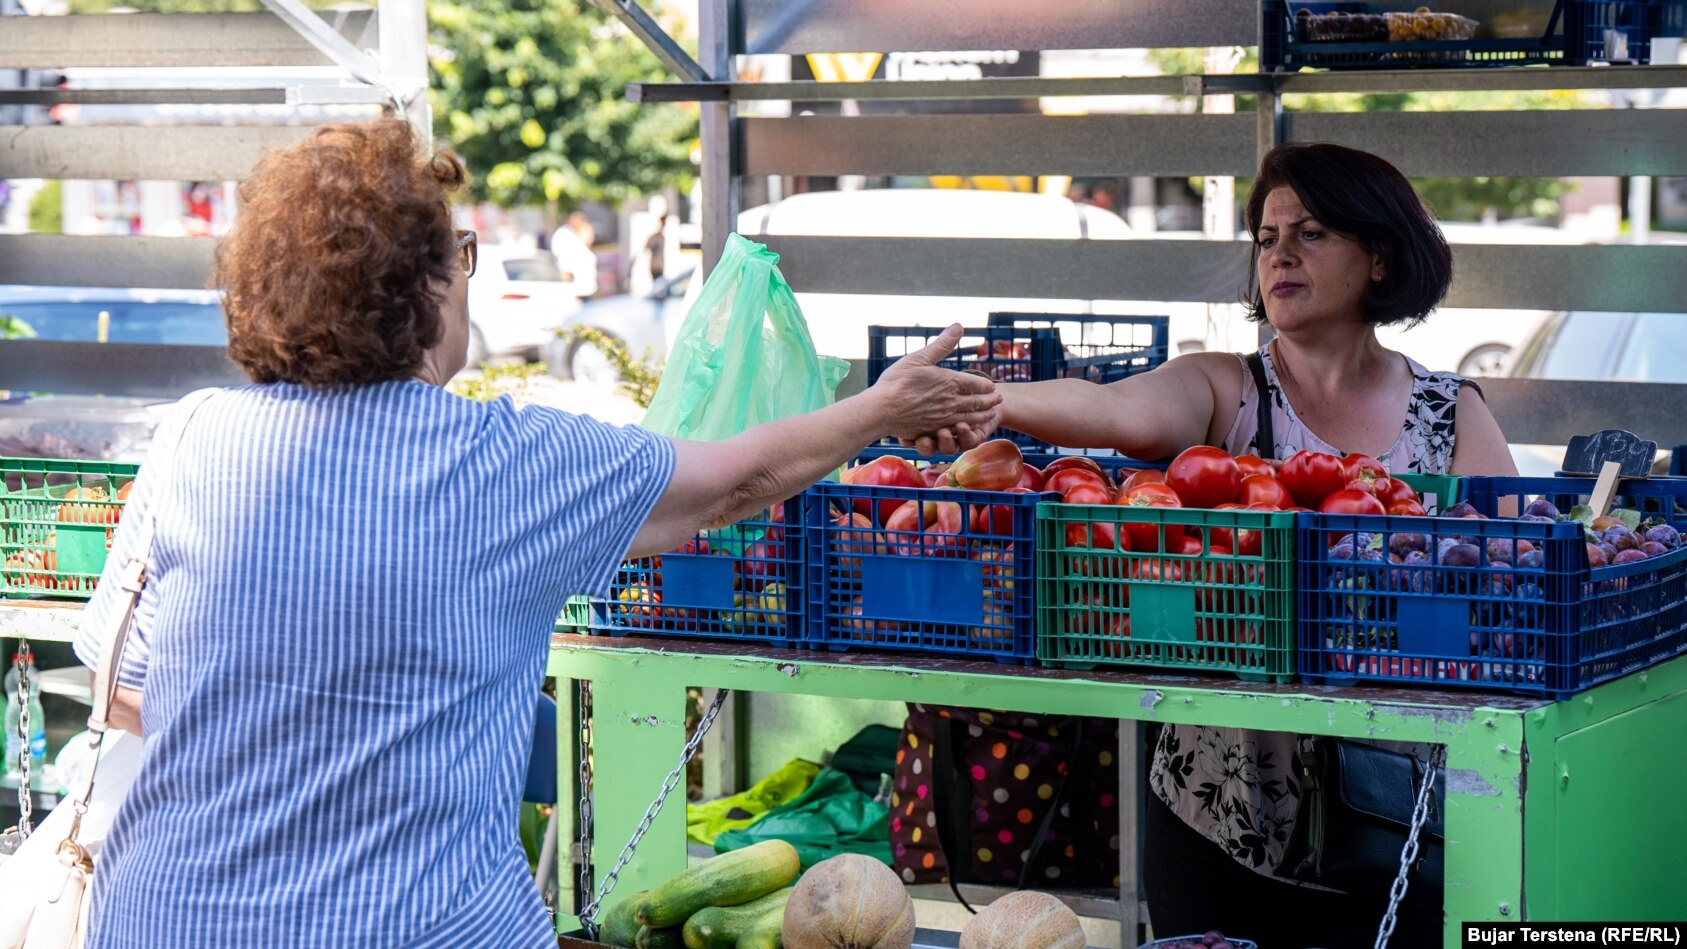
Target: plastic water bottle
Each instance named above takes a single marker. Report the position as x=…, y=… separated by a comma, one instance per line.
x=37, y=721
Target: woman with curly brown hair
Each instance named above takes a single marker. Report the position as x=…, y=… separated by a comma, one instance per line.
x=356, y=573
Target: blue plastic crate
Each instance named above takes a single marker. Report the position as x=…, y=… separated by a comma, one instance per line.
x=1100, y=349
x=1678, y=461
x=1552, y=626
x=1004, y=353
x=742, y=582
x=1284, y=47
x=1109, y=461
x=969, y=593
x=1610, y=31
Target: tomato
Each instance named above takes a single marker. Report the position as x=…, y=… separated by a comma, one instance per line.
x=1086, y=493
x=1263, y=489
x=1157, y=569
x=939, y=521
x=1392, y=491
x=1255, y=465
x=1146, y=476
x=1250, y=542
x=1031, y=479
x=1360, y=484
x=1349, y=501
x=1224, y=536
x=993, y=518
x=1146, y=536
x=1062, y=482
x=1187, y=546
x=1363, y=468
x=1312, y=476
x=1075, y=461
x=1204, y=476
x=1407, y=509
x=884, y=471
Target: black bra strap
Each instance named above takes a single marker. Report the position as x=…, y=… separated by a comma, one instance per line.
x=1265, y=440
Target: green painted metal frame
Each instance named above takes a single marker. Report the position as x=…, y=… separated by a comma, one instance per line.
x=1499, y=811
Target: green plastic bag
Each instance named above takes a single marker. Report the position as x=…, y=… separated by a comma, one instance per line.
x=830, y=818
x=707, y=821
x=743, y=356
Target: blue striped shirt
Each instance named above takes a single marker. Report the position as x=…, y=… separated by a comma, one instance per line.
x=340, y=645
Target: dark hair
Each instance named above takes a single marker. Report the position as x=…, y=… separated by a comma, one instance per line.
x=1364, y=197
x=332, y=273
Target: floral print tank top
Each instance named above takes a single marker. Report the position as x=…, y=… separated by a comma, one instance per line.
x=1238, y=786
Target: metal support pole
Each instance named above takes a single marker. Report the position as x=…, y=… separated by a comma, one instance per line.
x=403, y=28
x=650, y=33
x=719, y=179
x=1270, y=133
x=1130, y=832
x=327, y=40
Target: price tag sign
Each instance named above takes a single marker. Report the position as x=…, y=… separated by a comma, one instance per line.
x=1587, y=454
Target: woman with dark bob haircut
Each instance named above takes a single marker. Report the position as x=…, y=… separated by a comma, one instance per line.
x=1342, y=244
x=337, y=653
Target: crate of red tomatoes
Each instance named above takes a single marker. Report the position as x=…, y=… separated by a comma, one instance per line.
x=1193, y=568
x=934, y=558
x=1520, y=588
x=57, y=518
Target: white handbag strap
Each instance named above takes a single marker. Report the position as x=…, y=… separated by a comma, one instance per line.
x=131, y=582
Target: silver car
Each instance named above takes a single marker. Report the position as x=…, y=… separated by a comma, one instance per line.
x=641, y=323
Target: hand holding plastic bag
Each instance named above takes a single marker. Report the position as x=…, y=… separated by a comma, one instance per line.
x=743, y=356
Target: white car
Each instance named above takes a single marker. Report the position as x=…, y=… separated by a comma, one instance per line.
x=838, y=322
x=518, y=300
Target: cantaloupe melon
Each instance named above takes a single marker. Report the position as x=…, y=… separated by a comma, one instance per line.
x=1024, y=920
x=849, y=902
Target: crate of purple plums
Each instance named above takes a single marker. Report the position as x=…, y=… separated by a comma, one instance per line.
x=1550, y=602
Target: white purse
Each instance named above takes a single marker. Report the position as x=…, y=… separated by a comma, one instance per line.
x=56, y=880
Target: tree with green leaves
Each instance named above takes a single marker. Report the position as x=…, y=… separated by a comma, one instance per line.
x=532, y=95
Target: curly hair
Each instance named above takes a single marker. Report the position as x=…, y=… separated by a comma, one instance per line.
x=334, y=271
x=1361, y=195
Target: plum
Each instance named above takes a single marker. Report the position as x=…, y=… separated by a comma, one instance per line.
x=1342, y=550
x=1538, y=519
x=1401, y=544
x=1605, y=522
x=1610, y=551
x=1531, y=560
x=1629, y=556
x=1621, y=538
x=1596, y=556
x=1653, y=549
x=1461, y=509
x=1541, y=507
x=1664, y=534
x=1460, y=555
x=1501, y=549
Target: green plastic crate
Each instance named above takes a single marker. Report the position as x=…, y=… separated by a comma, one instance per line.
x=576, y=615
x=1098, y=604
x=1438, y=491
x=56, y=522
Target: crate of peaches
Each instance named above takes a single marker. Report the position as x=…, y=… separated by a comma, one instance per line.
x=1521, y=588
x=1193, y=568
x=934, y=558
x=57, y=518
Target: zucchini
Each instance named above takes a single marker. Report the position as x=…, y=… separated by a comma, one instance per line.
x=727, y=880
x=766, y=932
x=618, y=927
x=669, y=938
x=720, y=927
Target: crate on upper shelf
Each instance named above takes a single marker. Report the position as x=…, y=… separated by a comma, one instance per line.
x=960, y=582
x=1501, y=604
x=1099, y=348
x=741, y=582
x=1351, y=35
x=1110, y=462
x=57, y=517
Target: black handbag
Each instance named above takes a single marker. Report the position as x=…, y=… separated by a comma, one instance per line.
x=1355, y=814
x=1356, y=799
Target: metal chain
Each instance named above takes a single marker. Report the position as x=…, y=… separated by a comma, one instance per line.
x=26, y=802
x=1409, y=853
x=583, y=856
x=588, y=915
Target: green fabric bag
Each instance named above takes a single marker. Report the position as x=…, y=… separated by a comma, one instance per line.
x=704, y=822
x=830, y=818
x=743, y=356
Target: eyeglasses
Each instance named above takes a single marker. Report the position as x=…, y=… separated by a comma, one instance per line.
x=468, y=251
